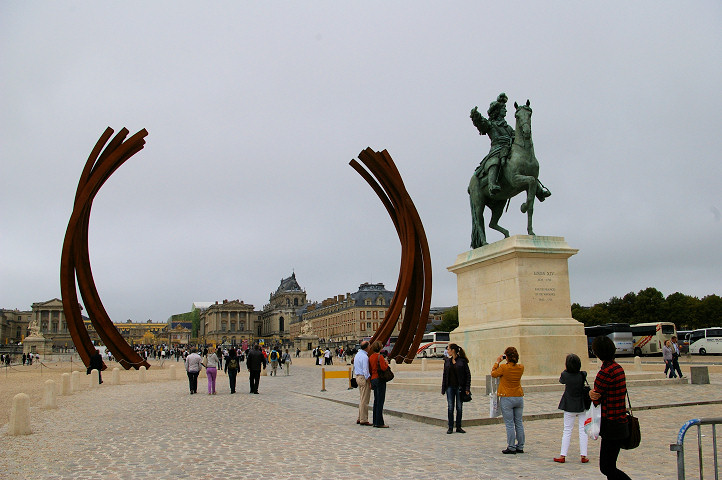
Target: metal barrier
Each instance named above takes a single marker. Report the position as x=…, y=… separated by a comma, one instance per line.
x=679, y=446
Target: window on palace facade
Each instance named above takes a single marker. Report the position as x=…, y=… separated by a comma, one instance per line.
x=382, y=314
x=367, y=301
x=376, y=325
x=368, y=324
x=281, y=323
x=362, y=315
x=363, y=326
x=295, y=302
x=233, y=326
x=55, y=327
x=376, y=315
x=288, y=302
x=380, y=301
x=224, y=325
x=242, y=326
x=368, y=314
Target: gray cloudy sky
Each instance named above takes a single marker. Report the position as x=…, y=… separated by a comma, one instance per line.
x=254, y=110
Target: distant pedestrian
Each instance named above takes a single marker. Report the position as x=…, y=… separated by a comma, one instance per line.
x=511, y=398
x=274, y=358
x=668, y=359
x=377, y=362
x=255, y=360
x=212, y=363
x=298, y=352
x=456, y=379
x=675, y=356
x=96, y=363
x=286, y=362
x=193, y=368
x=232, y=367
x=572, y=403
x=25, y=358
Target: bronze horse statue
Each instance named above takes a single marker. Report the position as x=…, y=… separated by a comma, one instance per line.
x=520, y=174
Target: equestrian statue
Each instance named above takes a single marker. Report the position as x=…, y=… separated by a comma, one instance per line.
x=508, y=169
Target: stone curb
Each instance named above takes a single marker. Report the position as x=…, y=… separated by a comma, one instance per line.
x=442, y=422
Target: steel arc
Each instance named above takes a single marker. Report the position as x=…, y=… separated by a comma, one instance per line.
x=75, y=257
x=413, y=286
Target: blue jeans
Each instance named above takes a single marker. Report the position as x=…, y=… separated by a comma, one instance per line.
x=379, y=388
x=512, y=409
x=453, y=395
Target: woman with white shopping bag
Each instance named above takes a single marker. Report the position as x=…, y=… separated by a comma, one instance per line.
x=610, y=389
x=572, y=403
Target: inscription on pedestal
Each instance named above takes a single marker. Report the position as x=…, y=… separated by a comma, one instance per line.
x=545, y=287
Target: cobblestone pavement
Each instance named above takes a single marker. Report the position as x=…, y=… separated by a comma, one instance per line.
x=292, y=430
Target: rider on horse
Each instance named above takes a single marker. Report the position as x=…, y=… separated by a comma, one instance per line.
x=502, y=137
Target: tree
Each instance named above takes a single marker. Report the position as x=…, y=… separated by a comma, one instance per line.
x=449, y=321
x=709, y=312
x=681, y=310
x=648, y=306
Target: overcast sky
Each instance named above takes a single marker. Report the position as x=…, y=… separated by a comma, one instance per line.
x=254, y=110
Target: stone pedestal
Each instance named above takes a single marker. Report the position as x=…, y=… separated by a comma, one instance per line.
x=515, y=292
x=37, y=344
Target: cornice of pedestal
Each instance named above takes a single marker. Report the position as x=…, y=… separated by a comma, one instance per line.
x=517, y=245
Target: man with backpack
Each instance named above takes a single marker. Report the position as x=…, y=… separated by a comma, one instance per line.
x=274, y=357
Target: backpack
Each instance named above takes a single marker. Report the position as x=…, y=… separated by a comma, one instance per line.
x=233, y=364
x=274, y=355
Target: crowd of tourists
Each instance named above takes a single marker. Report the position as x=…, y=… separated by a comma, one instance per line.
x=230, y=360
x=609, y=393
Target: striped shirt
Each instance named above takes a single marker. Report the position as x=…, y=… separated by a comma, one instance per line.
x=611, y=383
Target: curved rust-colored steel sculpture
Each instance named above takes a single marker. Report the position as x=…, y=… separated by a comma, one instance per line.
x=414, y=282
x=75, y=259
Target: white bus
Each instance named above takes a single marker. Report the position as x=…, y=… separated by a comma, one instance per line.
x=619, y=333
x=433, y=344
x=650, y=337
x=706, y=340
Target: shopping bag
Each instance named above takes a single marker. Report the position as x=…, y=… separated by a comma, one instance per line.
x=593, y=421
x=494, y=408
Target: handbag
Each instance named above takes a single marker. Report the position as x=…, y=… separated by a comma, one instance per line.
x=465, y=397
x=585, y=394
x=354, y=383
x=635, y=435
x=385, y=375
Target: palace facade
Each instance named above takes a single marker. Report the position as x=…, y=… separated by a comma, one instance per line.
x=283, y=307
x=343, y=319
x=229, y=322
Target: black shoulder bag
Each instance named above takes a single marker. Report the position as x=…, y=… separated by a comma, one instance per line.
x=635, y=435
x=385, y=375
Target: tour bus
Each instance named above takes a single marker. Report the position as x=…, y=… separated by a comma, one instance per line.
x=433, y=344
x=650, y=337
x=619, y=333
x=683, y=340
x=706, y=340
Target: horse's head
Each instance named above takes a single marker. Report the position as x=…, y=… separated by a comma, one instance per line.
x=523, y=119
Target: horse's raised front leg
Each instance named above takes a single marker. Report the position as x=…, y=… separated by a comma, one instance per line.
x=528, y=206
x=496, y=212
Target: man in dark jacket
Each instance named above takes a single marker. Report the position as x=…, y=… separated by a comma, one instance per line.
x=96, y=363
x=255, y=361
